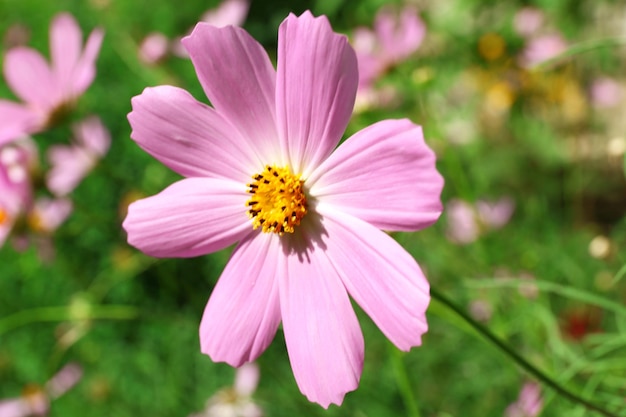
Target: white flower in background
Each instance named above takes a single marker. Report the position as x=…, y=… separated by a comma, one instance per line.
x=235, y=401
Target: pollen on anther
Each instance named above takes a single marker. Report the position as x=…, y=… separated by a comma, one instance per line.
x=278, y=201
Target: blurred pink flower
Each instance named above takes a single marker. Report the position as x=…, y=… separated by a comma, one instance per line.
x=481, y=310
x=235, y=401
x=35, y=400
x=262, y=172
x=20, y=158
x=605, y=93
x=154, y=48
x=394, y=39
x=369, y=97
x=528, y=21
x=64, y=380
x=541, y=49
x=529, y=402
x=462, y=226
x=466, y=222
x=47, y=89
x=15, y=184
x=32, y=402
x=69, y=164
x=495, y=214
x=43, y=217
x=48, y=214
x=229, y=12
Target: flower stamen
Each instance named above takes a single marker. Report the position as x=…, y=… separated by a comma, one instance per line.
x=278, y=202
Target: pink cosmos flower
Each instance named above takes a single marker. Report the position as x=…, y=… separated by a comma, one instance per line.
x=261, y=171
x=462, y=226
x=43, y=218
x=47, y=89
x=605, y=93
x=541, y=49
x=15, y=184
x=70, y=163
x=496, y=214
x=48, y=214
x=20, y=158
x=528, y=404
x=35, y=400
x=154, y=48
x=467, y=222
x=236, y=401
x=528, y=21
x=394, y=39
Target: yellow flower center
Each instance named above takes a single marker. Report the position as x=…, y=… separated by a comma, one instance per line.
x=278, y=203
x=4, y=216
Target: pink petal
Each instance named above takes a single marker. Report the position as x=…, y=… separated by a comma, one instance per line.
x=541, y=49
x=247, y=376
x=239, y=80
x=154, y=48
x=188, y=136
x=31, y=79
x=85, y=70
x=15, y=407
x=15, y=181
x=65, y=46
x=364, y=41
x=191, y=217
x=528, y=21
x=68, y=166
x=401, y=35
x=528, y=404
x=385, y=174
x=495, y=214
x=315, y=90
x=530, y=399
x=16, y=120
x=92, y=136
x=323, y=336
x=380, y=275
x=370, y=66
x=462, y=226
x=242, y=315
x=64, y=380
x=51, y=213
x=605, y=93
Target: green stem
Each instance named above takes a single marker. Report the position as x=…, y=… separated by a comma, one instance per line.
x=620, y=274
x=580, y=48
x=403, y=382
x=527, y=366
x=66, y=313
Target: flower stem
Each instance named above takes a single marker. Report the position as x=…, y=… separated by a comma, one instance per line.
x=65, y=313
x=403, y=382
x=580, y=48
x=527, y=366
